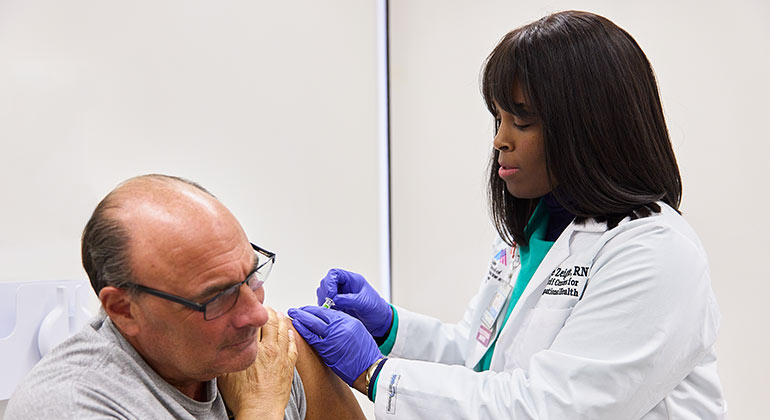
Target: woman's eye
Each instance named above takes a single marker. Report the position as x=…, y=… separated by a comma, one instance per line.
x=521, y=126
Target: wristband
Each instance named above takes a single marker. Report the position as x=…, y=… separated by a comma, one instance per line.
x=370, y=373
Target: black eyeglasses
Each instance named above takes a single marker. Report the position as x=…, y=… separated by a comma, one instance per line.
x=225, y=300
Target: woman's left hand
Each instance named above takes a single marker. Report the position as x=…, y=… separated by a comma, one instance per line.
x=342, y=341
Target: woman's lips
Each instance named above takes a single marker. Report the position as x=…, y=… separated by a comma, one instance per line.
x=505, y=172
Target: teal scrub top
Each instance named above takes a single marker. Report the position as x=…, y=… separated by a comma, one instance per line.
x=531, y=257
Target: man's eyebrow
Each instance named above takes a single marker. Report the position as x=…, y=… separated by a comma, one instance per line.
x=255, y=265
x=211, y=291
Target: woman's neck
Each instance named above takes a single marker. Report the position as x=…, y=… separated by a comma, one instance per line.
x=559, y=217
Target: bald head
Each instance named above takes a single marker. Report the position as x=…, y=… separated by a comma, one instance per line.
x=185, y=250
x=145, y=216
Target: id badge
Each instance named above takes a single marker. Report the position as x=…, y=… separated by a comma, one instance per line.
x=490, y=315
x=484, y=335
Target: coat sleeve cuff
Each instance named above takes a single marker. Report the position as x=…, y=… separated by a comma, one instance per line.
x=387, y=346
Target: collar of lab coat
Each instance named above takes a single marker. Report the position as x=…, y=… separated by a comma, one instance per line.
x=589, y=225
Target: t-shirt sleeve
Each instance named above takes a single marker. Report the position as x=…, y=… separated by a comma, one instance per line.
x=58, y=399
x=296, y=409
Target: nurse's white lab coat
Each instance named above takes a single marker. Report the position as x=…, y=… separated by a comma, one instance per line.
x=616, y=324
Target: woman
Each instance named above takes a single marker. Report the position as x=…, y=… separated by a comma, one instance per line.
x=598, y=301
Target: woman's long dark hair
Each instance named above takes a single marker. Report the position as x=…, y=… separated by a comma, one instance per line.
x=607, y=148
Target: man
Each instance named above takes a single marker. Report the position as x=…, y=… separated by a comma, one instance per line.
x=181, y=292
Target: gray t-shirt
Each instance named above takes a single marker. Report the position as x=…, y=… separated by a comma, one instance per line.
x=97, y=374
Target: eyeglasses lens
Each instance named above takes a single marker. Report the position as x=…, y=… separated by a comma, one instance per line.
x=262, y=273
x=226, y=301
x=222, y=304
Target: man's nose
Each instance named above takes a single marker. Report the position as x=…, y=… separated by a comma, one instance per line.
x=249, y=310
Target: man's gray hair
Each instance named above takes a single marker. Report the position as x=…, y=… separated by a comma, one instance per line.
x=104, y=244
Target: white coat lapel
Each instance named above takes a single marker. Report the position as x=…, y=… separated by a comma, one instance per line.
x=558, y=253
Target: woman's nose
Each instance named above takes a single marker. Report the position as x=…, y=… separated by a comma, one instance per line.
x=503, y=141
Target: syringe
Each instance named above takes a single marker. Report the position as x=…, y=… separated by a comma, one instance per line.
x=328, y=303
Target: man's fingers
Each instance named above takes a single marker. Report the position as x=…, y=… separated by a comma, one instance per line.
x=283, y=332
x=293, y=352
x=270, y=329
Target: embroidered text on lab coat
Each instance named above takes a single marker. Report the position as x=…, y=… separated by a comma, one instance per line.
x=567, y=281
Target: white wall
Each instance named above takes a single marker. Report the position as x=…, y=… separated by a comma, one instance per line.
x=270, y=105
x=712, y=60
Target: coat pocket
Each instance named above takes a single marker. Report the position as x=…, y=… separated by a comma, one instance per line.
x=538, y=333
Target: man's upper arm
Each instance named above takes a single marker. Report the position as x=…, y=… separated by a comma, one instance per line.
x=327, y=396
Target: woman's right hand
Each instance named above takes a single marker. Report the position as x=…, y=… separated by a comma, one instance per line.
x=353, y=295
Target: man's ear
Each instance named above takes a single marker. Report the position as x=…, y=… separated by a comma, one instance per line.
x=120, y=306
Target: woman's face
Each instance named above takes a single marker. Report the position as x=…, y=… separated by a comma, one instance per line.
x=522, y=152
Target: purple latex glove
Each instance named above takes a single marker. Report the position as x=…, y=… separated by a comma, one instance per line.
x=340, y=340
x=353, y=295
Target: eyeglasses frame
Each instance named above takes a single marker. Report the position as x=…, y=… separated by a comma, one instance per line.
x=201, y=307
